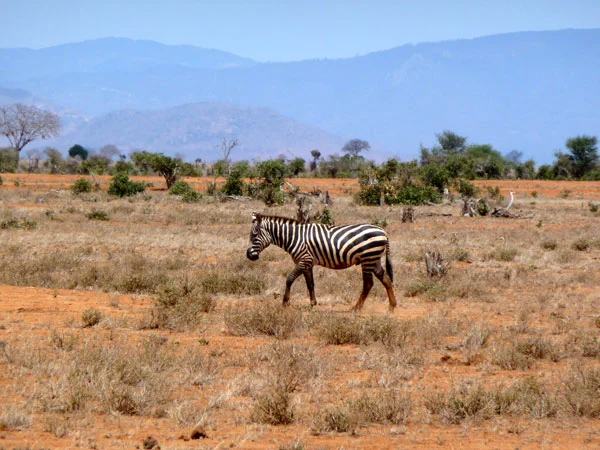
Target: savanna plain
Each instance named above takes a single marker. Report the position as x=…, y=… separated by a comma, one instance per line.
x=139, y=323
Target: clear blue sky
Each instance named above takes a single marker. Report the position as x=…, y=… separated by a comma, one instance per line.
x=284, y=30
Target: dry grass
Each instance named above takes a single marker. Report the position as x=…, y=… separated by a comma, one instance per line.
x=190, y=332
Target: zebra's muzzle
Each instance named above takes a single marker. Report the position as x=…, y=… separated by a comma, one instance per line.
x=252, y=256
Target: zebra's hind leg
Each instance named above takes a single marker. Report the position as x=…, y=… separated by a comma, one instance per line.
x=387, y=282
x=310, y=284
x=367, y=285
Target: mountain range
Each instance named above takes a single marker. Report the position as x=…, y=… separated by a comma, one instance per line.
x=527, y=91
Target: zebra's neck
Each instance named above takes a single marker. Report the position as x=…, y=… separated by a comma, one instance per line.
x=284, y=232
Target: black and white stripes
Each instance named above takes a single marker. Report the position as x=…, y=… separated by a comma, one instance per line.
x=336, y=247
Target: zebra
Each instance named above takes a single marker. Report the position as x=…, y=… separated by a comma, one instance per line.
x=334, y=247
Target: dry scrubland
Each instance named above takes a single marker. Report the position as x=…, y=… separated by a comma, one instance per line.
x=153, y=322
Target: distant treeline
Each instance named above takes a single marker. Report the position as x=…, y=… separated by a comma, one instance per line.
x=439, y=166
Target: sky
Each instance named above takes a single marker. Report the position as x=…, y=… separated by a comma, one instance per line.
x=284, y=30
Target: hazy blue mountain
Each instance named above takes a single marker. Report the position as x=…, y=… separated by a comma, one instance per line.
x=110, y=57
x=527, y=91
x=196, y=130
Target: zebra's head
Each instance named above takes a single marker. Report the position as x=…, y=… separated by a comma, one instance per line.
x=259, y=238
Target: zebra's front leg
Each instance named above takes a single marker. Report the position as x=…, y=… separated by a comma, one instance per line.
x=289, y=281
x=367, y=285
x=310, y=284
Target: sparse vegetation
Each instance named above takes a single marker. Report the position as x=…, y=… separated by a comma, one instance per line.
x=160, y=318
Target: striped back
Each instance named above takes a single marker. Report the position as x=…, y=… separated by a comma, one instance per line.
x=336, y=247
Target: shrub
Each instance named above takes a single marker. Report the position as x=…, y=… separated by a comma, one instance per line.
x=465, y=402
x=97, y=214
x=390, y=406
x=581, y=389
x=337, y=419
x=191, y=196
x=237, y=283
x=185, y=191
x=268, y=318
x=235, y=184
x=509, y=357
x=335, y=329
x=274, y=407
x=1, y=182
x=179, y=306
x=24, y=224
x=527, y=396
x=91, y=317
x=539, y=348
x=180, y=187
x=325, y=217
x=549, y=244
x=565, y=193
x=582, y=244
x=506, y=254
x=13, y=420
x=122, y=186
x=465, y=188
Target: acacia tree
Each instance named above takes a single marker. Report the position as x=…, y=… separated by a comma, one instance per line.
x=584, y=154
x=169, y=168
x=316, y=154
x=22, y=124
x=354, y=146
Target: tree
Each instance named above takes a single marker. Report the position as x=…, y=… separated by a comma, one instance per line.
x=109, y=151
x=22, y=124
x=166, y=166
x=54, y=159
x=514, y=156
x=272, y=175
x=451, y=143
x=316, y=154
x=297, y=166
x=354, y=146
x=226, y=146
x=78, y=150
x=584, y=154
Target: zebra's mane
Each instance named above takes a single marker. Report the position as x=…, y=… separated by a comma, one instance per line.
x=280, y=219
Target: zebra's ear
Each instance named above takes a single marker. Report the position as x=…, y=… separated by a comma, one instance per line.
x=256, y=217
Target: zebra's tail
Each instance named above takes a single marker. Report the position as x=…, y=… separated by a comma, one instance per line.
x=388, y=262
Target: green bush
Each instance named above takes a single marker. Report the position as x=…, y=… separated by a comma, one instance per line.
x=235, y=184
x=81, y=186
x=185, y=191
x=122, y=186
x=180, y=187
x=466, y=188
x=396, y=194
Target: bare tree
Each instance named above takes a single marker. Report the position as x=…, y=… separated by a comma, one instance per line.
x=22, y=124
x=227, y=145
x=109, y=151
x=33, y=156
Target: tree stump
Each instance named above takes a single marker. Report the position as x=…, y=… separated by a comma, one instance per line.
x=408, y=215
x=436, y=264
